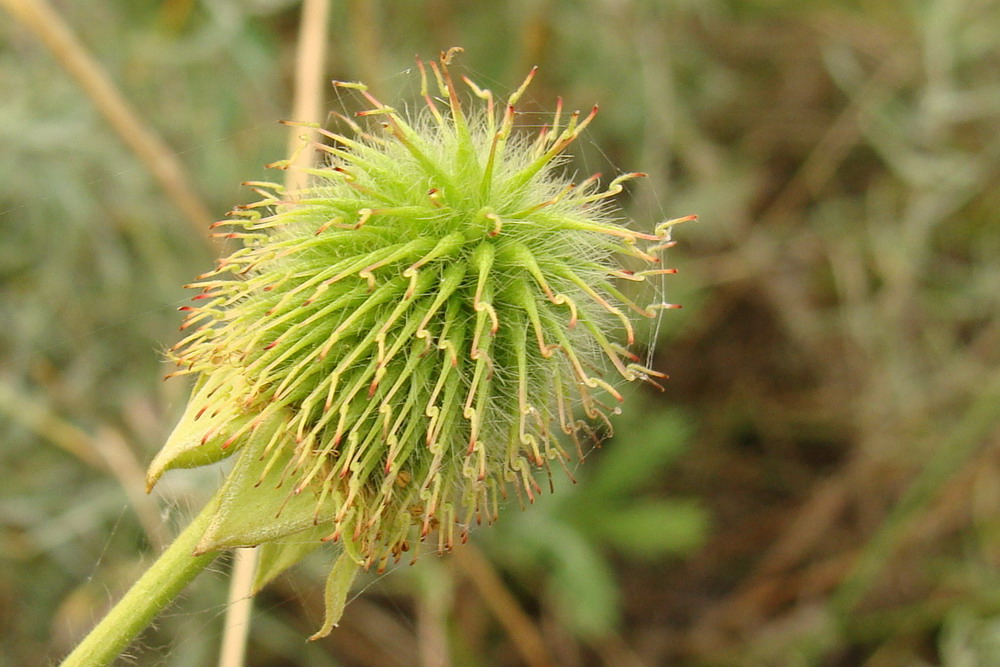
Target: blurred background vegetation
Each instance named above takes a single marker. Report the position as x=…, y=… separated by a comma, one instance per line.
x=818, y=485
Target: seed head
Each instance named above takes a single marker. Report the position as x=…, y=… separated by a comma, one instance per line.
x=401, y=342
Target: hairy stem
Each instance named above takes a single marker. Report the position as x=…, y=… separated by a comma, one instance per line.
x=157, y=588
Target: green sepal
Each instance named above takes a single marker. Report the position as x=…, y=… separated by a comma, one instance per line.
x=338, y=585
x=276, y=557
x=187, y=446
x=651, y=528
x=255, y=507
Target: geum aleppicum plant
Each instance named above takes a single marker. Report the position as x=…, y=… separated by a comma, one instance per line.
x=402, y=341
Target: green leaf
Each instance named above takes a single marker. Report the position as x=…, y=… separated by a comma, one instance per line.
x=256, y=507
x=653, y=528
x=276, y=557
x=187, y=446
x=338, y=585
x=640, y=449
x=583, y=587
x=580, y=584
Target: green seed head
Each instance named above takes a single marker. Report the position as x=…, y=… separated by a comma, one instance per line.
x=407, y=338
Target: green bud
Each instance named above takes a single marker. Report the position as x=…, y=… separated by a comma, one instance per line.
x=406, y=339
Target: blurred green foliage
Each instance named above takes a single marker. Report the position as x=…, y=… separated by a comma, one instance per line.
x=559, y=545
x=819, y=483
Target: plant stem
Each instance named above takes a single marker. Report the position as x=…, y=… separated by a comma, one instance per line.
x=155, y=590
x=526, y=637
x=240, y=607
x=107, y=453
x=310, y=64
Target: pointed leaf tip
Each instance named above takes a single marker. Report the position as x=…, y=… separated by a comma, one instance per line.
x=197, y=439
x=338, y=585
